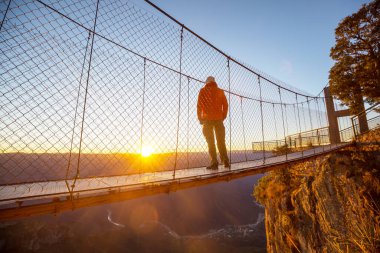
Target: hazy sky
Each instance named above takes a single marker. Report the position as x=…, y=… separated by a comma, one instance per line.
x=289, y=40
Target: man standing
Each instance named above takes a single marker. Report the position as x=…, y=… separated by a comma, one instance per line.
x=212, y=109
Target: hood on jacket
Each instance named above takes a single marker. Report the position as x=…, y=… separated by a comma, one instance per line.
x=211, y=85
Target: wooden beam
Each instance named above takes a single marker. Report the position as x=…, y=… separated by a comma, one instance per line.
x=342, y=113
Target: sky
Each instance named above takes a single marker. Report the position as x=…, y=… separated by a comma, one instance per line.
x=289, y=40
x=132, y=103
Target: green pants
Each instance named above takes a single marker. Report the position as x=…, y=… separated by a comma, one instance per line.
x=209, y=127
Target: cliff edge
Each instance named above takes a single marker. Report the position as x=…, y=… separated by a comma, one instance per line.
x=331, y=204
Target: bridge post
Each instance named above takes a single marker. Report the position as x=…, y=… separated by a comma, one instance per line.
x=333, y=115
x=332, y=118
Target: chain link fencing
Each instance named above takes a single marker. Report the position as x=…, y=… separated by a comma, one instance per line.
x=90, y=88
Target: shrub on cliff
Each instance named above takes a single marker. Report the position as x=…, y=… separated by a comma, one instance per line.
x=282, y=150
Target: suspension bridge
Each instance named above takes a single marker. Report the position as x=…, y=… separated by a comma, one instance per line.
x=98, y=104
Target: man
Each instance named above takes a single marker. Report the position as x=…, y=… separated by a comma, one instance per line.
x=212, y=109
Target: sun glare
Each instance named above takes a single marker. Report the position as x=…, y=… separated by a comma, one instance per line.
x=146, y=151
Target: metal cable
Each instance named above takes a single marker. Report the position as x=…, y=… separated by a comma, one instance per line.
x=167, y=67
x=53, y=130
x=300, y=128
x=311, y=125
x=275, y=124
x=319, y=125
x=283, y=126
x=142, y=115
x=76, y=110
x=229, y=106
x=179, y=102
x=85, y=98
x=242, y=121
x=188, y=123
x=218, y=50
x=5, y=15
x=262, y=120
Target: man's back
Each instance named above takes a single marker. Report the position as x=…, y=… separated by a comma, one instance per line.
x=212, y=109
x=212, y=103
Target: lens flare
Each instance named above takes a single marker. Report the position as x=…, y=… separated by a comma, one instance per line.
x=146, y=151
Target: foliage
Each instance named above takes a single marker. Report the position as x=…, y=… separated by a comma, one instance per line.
x=270, y=186
x=356, y=72
x=282, y=150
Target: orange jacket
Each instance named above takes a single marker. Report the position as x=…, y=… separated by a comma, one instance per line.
x=212, y=103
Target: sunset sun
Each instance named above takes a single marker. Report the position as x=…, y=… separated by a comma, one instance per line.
x=146, y=151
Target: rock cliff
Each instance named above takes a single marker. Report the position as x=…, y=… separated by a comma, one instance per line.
x=331, y=204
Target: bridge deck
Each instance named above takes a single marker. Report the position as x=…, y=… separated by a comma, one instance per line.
x=38, y=191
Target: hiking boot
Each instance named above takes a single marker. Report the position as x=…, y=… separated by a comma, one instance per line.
x=227, y=164
x=212, y=167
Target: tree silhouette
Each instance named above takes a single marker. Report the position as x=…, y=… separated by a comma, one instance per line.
x=356, y=72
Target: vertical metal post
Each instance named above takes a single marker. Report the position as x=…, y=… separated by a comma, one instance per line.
x=304, y=119
x=319, y=141
x=179, y=102
x=188, y=121
x=320, y=125
x=287, y=124
x=327, y=119
x=85, y=99
x=353, y=127
x=5, y=15
x=311, y=122
x=275, y=124
x=262, y=119
x=76, y=112
x=242, y=120
x=299, y=123
x=142, y=118
x=283, y=124
x=295, y=115
x=229, y=106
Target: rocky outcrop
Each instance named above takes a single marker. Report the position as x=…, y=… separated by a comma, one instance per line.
x=331, y=204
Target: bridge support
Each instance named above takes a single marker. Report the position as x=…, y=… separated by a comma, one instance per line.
x=333, y=116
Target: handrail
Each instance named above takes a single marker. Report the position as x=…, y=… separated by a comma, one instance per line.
x=365, y=110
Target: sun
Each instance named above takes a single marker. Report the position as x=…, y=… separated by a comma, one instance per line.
x=146, y=151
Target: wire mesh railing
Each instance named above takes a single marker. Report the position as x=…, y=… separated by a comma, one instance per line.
x=370, y=117
x=95, y=89
x=315, y=137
